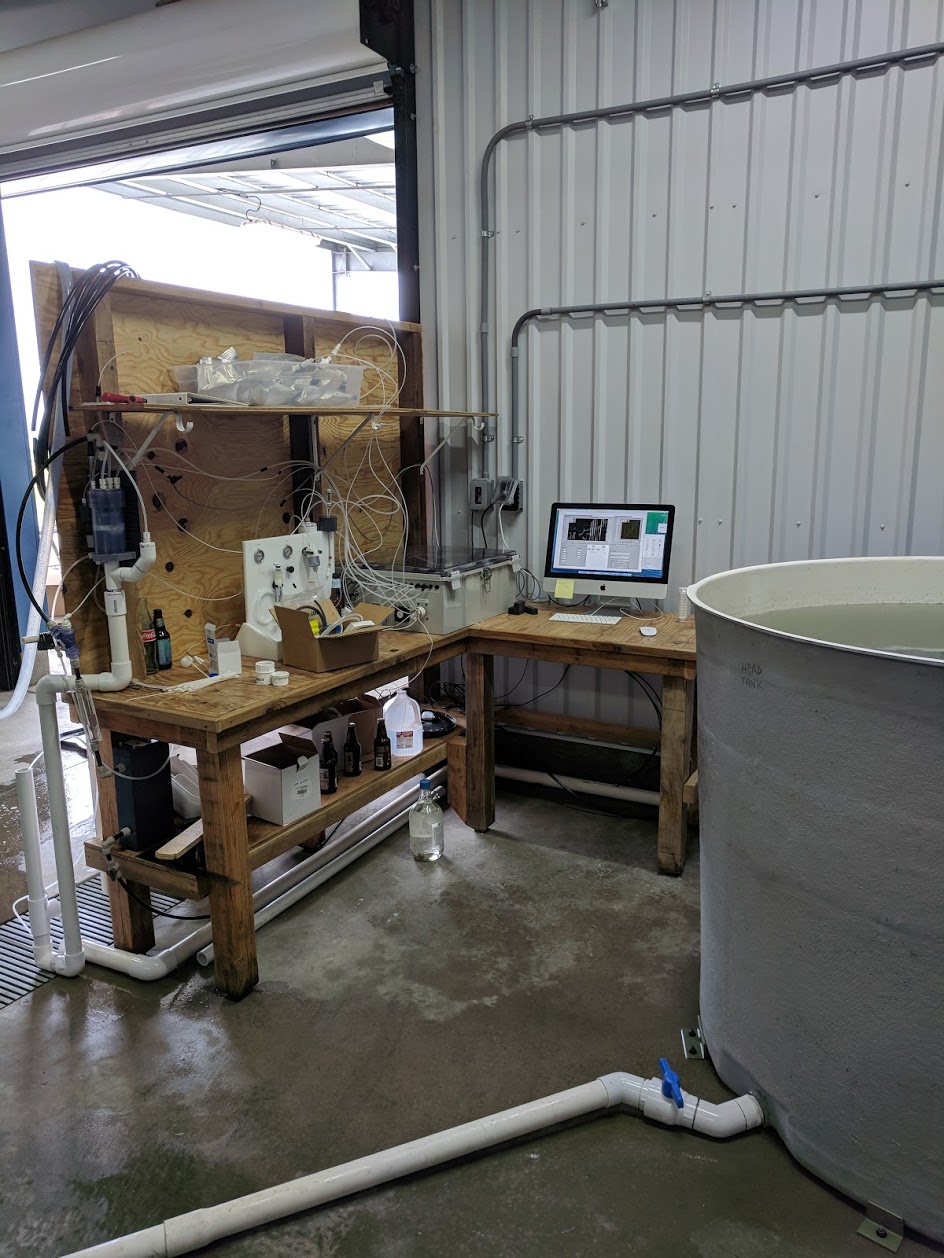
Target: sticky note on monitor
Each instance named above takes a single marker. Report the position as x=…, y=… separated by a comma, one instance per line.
x=564, y=589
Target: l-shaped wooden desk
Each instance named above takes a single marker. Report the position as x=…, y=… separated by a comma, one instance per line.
x=218, y=720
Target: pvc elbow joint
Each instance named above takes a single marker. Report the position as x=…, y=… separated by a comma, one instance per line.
x=145, y=560
x=729, y=1118
x=117, y=679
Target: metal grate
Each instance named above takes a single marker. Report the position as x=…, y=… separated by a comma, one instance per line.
x=19, y=973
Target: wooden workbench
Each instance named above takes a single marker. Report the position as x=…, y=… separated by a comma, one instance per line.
x=670, y=654
x=218, y=720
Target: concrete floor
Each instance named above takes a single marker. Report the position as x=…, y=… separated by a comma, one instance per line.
x=398, y=1000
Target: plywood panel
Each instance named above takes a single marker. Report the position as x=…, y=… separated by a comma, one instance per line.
x=230, y=477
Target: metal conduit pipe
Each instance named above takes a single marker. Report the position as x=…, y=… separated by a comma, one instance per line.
x=921, y=55
x=707, y=301
x=654, y=1098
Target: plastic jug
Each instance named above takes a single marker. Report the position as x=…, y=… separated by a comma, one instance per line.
x=404, y=725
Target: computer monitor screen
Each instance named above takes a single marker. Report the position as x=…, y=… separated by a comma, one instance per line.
x=605, y=548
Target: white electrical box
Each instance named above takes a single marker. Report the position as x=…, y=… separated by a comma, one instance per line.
x=456, y=587
x=279, y=568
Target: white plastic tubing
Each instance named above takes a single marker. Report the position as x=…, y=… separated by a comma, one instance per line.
x=581, y=786
x=40, y=572
x=277, y=895
x=189, y=1232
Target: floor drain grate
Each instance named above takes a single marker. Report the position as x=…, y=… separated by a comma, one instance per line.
x=19, y=973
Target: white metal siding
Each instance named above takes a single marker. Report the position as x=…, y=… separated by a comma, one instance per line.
x=778, y=433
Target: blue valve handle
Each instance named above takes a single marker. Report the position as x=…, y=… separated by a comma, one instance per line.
x=670, y=1083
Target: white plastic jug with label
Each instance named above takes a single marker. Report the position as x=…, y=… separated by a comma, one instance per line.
x=404, y=725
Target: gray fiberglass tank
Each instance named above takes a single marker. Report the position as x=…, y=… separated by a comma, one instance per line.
x=821, y=792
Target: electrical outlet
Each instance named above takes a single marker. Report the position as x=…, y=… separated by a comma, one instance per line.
x=480, y=493
x=508, y=493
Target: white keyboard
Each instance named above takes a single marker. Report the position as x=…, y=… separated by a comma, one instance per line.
x=573, y=619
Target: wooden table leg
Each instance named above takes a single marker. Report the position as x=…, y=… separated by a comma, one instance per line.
x=226, y=844
x=132, y=922
x=677, y=712
x=480, y=739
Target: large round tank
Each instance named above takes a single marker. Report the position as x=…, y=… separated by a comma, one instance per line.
x=821, y=795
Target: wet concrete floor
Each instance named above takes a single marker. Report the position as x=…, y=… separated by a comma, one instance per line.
x=397, y=1000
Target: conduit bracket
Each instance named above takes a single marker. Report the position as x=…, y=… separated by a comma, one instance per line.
x=693, y=1041
x=883, y=1227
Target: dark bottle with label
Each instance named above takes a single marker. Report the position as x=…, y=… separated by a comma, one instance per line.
x=352, y=753
x=382, y=746
x=329, y=766
x=148, y=637
x=164, y=658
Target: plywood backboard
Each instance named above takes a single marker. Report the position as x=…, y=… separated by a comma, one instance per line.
x=230, y=477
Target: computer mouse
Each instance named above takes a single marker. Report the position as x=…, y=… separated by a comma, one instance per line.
x=648, y=631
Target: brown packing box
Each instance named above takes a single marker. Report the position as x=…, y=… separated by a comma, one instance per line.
x=301, y=649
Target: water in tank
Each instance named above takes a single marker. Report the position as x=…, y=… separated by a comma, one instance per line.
x=821, y=795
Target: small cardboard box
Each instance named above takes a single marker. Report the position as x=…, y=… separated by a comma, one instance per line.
x=301, y=649
x=284, y=782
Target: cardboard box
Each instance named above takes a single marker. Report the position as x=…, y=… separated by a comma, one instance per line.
x=323, y=654
x=365, y=712
x=284, y=782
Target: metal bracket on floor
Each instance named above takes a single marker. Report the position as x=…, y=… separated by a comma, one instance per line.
x=693, y=1041
x=883, y=1227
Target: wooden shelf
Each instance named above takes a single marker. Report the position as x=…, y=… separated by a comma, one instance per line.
x=267, y=841
x=221, y=408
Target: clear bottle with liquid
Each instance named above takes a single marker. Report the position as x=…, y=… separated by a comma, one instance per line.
x=426, y=825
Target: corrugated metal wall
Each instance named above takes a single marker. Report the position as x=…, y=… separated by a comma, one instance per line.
x=778, y=433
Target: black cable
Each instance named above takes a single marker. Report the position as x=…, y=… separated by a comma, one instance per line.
x=76, y=309
x=579, y=807
x=535, y=698
x=482, y=527
x=524, y=671
x=18, y=528
x=650, y=694
x=177, y=917
x=569, y=606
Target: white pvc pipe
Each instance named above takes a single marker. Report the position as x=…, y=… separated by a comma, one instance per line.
x=377, y=827
x=269, y=901
x=32, y=855
x=40, y=574
x=189, y=1232
x=580, y=786
x=71, y=960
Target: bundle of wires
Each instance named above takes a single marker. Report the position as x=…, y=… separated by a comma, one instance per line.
x=361, y=575
x=74, y=313
x=77, y=308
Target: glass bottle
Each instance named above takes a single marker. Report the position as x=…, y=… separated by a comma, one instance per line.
x=164, y=657
x=382, y=746
x=426, y=825
x=329, y=766
x=352, y=753
x=148, y=637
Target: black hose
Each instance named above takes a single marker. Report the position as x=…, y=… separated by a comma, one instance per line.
x=27, y=583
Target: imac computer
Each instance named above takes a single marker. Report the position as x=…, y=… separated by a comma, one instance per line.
x=610, y=550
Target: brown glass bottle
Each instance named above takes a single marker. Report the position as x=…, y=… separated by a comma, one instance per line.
x=329, y=766
x=382, y=746
x=352, y=753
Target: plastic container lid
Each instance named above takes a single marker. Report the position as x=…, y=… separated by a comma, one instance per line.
x=425, y=784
